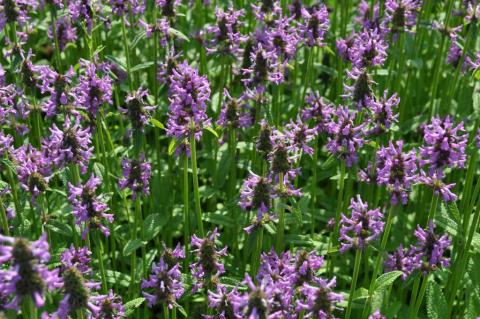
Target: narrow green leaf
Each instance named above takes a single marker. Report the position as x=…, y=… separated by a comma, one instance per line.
x=141, y=66
x=212, y=130
x=131, y=246
x=152, y=225
x=60, y=228
x=157, y=123
x=132, y=305
x=386, y=280
x=178, y=34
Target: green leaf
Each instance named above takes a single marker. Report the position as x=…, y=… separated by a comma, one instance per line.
x=360, y=293
x=141, y=66
x=152, y=225
x=60, y=228
x=142, y=34
x=436, y=302
x=132, y=305
x=172, y=146
x=157, y=123
x=178, y=34
x=115, y=277
x=386, y=280
x=453, y=209
x=131, y=246
x=211, y=130
x=331, y=160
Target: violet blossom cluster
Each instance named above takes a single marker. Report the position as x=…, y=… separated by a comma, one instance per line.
x=136, y=175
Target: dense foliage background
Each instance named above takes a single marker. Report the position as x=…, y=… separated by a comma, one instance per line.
x=279, y=159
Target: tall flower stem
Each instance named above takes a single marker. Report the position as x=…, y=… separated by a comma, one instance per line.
x=127, y=54
x=58, y=61
x=378, y=262
x=4, y=220
x=257, y=251
x=232, y=181
x=196, y=193
x=433, y=208
x=166, y=312
x=313, y=186
x=421, y=294
x=356, y=270
x=100, y=254
x=281, y=218
x=186, y=215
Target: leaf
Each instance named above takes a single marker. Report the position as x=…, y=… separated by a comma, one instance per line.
x=131, y=246
x=115, y=277
x=453, y=209
x=132, y=305
x=142, y=34
x=386, y=280
x=141, y=66
x=360, y=293
x=211, y=130
x=222, y=170
x=328, y=163
x=157, y=123
x=436, y=302
x=152, y=225
x=172, y=146
x=178, y=34
x=59, y=228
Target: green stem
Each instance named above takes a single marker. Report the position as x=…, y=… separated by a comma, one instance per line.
x=356, y=270
x=281, y=218
x=186, y=215
x=257, y=252
x=378, y=262
x=196, y=193
x=4, y=220
x=127, y=54
x=100, y=254
x=313, y=186
x=421, y=294
x=433, y=209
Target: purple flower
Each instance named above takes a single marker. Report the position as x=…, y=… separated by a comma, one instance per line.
x=65, y=31
x=136, y=108
x=315, y=25
x=6, y=142
x=361, y=89
x=92, y=90
x=369, y=48
x=173, y=256
x=166, y=67
x=319, y=300
x=296, y=9
x=362, y=227
x=124, y=7
x=15, y=11
x=396, y=170
x=136, y=176
x=256, y=193
x=402, y=260
x=77, y=289
x=345, y=138
x=88, y=207
x=365, y=16
x=377, y=315
x=382, y=114
x=304, y=267
x=207, y=268
x=265, y=67
x=108, y=306
x=282, y=39
x=400, y=15
x=235, y=113
x=188, y=94
x=33, y=170
x=298, y=136
x=24, y=272
x=69, y=145
x=264, y=142
x=83, y=11
x=445, y=145
x=56, y=85
x=76, y=257
x=257, y=302
x=168, y=7
x=226, y=33
x=318, y=110
x=164, y=286
x=439, y=187
x=13, y=105
x=161, y=27
x=431, y=248
x=224, y=303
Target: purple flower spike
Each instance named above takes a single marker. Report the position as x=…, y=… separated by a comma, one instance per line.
x=33, y=170
x=76, y=257
x=360, y=90
x=235, y=113
x=207, y=269
x=265, y=67
x=136, y=108
x=66, y=32
x=257, y=302
x=226, y=33
x=362, y=227
x=298, y=136
x=224, y=303
x=401, y=260
x=69, y=145
x=320, y=300
x=377, y=315
x=164, y=286
x=344, y=137
x=56, y=85
x=382, y=112
x=189, y=93
x=438, y=186
x=256, y=193
x=108, y=306
x=318, y=110
x=24, y=272
x=400, y=15
x=445, y=145
x=369, y=48
x=92, y=90
x=89, y=208
x=396, y=170
x=315, y=26
x=430, y=248
x=136, y=176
